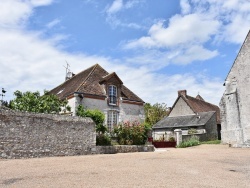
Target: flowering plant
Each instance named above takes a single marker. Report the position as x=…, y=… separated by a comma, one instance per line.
x=131, y=133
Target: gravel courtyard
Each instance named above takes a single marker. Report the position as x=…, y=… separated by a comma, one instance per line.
x=201, y=166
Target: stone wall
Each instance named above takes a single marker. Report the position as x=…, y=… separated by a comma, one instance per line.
x=27, y=135
x=235, y=103
x=123, y=149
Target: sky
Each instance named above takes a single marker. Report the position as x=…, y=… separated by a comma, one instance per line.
x=156, y=47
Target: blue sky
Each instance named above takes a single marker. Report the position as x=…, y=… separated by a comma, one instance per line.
x=157, y=47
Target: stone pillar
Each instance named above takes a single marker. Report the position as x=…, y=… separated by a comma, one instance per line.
x=150, y=138
x=178, y=136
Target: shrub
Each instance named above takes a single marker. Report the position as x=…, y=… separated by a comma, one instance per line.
x=103, y=140
x=171, y=139
x=131, y=133
x=193, y=141
x=192, y=131
x=96, y=115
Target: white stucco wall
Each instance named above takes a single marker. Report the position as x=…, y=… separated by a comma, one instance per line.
x=181, y=108
x=131, y=112
x=162, y=135
x=126, y=112
x=72, y=103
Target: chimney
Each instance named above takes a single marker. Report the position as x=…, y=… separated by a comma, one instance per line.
x=182, y=92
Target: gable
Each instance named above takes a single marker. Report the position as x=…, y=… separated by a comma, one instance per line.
x=111, y=78
x=186, y=104
x=181, y=108
x=242, y=60
x=92, y=82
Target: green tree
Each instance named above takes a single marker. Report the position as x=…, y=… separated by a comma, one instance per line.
x=34, y=102
x=102, y=138
x=97, y=116
x=154, y=113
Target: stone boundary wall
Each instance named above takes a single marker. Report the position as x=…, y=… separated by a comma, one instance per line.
x=28, y=135
x=123, y=149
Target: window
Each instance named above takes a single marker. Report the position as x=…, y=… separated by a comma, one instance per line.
x=112, y=95
x=112, y=119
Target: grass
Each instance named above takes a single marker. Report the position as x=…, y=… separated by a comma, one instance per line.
x=193, y=141
x=212, y=142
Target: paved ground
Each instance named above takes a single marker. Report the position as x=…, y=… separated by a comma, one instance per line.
x=202, y=166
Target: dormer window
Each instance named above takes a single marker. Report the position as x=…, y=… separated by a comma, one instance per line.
x=112, y=95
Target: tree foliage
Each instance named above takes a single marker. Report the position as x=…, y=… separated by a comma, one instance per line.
x=34, y=102
x=154, y=113
x=97, y=116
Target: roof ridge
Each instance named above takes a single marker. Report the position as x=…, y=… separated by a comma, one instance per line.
x=202, y=100
x=94, y=67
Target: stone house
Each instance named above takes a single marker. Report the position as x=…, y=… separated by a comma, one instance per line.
x=201, y=125
x=235, y=102
x=95, y=88
x=188, y=107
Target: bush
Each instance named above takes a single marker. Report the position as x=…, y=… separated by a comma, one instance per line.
x=192, y=131
x=103, y=140
x=171, y=139
x=131, y=133
x=96, y=115
x=193, y=141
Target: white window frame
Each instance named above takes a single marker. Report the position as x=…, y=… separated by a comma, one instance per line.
x=112, y=119
x=112, y=91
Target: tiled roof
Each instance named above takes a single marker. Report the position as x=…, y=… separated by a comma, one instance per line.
x=129, y=95
x=199, y=97
x=113, y=74
x=198, y=104
x=87, y=82
x=184, y=121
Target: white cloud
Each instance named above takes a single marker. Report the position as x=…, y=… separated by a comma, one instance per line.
x=53, y=23
x=201, y=22
x=154, y=87
x=31, y=63
x=13, y=11
x=231, y=13
x=180, y=31
x=41, y=2
x=194, y=53
x=185, y=6
x=118, y=6
x=115, y=7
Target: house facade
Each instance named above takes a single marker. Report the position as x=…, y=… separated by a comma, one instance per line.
x=188, y=107
x=235, y=102
x=201, y=125
x=95, y=88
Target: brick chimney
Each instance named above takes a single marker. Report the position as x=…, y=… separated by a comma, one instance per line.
x=182, y=92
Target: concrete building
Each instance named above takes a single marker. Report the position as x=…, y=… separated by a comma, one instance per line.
x=95, y=88
x=235, y=102
x=182, y=115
